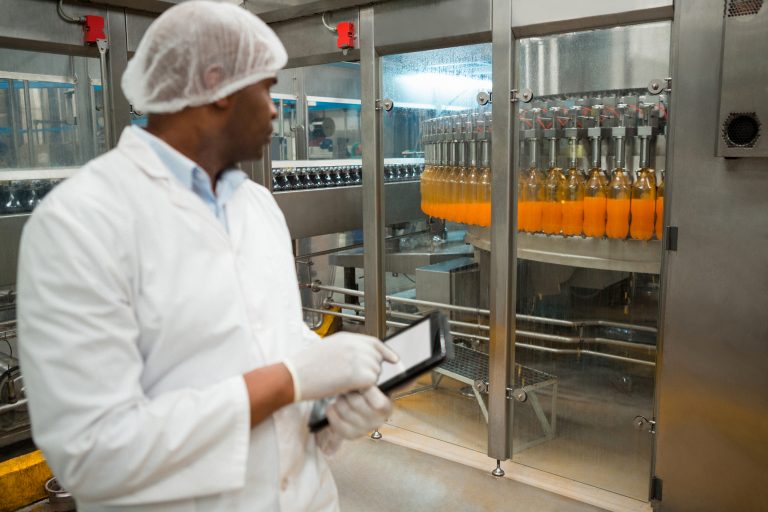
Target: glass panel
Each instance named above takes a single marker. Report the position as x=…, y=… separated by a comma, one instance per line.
x=50, y=117
x=590, y=176
x=433, y=90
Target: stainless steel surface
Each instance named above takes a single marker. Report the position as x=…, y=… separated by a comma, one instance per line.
x=302, y=116
x=711, y=452
x=541, y=17
x=605, y=59
x=743, y=78
x=308, y=42
x=153, y=6
x=115, y=101
x=436, y=282
x=36, y=25
x=334, y=210
x=373, y=178
x=136, y=24
x=503, y=220
x=334, y=250
x=405, y=25
x=605, y=254
x=103, y=46
x=10, y=234
x=407, y=262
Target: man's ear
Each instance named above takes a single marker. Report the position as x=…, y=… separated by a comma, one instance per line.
x=223, y=103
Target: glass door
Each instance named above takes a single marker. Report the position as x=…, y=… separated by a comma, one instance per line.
x=436, y=138
x=590, y=199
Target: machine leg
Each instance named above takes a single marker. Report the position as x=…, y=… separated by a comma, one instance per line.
x=498, y=471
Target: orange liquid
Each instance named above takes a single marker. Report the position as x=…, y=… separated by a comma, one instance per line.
x=523, y=213
x=552, y=217
x=617, y=225
x=534, y=217
x=642, y=210
x=573, y=217
x=484, y=214
x=659, y=216
x=594, y=216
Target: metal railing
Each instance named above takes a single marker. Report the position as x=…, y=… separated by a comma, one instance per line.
x=578, y=342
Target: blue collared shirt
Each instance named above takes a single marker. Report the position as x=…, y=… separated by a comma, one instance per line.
x=195, y=178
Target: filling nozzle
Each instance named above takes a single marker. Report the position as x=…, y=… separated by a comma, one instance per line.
x=618, y=149
x=533, y=148
x=594, y=141
x=552, y=151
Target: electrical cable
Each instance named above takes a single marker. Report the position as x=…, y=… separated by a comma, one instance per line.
x=10, y=348
x=325, y=23
x=66, y=17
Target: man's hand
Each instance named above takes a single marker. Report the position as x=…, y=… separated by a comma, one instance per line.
x=339, y=364
x=355, y=414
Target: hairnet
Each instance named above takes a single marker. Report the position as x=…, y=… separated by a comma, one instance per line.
x=198, y=52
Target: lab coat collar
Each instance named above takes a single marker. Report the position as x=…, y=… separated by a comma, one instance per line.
x=139, y=152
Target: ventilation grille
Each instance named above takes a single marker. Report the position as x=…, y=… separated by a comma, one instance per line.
x=742, y=7
x=741, y=130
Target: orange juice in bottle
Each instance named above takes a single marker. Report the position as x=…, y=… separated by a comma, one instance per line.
x=595, y=191
x=619, y=192
x=483, y=197
x=459, y=182
x=429, y=159
x=533, y=187
x=469, y=176
x=554, y=192
x=573, y=190
x=643, y=204
x=660, y=207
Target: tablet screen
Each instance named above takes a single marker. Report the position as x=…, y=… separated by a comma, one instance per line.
x=414, y=346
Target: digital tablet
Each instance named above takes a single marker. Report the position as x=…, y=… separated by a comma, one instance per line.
x=421, y=346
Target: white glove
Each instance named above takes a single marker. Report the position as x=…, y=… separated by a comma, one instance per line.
x=340, y=363
x=355, y=414
x=328, y=441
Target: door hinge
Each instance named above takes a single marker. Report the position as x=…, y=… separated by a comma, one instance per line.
x=656, y=485
x=671, y=238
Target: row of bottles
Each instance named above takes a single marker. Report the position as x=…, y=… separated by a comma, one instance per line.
x=305, y=178
x=22, y=196
x=456, y=184
x=596, y=205
x=572, y=204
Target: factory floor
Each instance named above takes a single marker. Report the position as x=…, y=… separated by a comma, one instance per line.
x=378, y=476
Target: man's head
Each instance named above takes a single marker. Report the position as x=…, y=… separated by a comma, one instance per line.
x=210, y=64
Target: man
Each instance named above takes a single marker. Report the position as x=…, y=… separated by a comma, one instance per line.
x=166, y=361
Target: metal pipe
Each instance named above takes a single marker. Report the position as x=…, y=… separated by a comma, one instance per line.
x=528, y=334
x=485, y=312
x=373, y=177
x=577, y=351
x=106, y=92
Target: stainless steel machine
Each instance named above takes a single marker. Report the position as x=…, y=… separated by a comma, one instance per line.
x=574, y=183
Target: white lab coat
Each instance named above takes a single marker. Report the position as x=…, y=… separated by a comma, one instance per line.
x=138, y=315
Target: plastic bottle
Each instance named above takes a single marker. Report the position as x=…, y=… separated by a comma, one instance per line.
x=618, y=196
x=595, y=191
x=574, y=189
x=533, y=190
x=552, y=213
x=660, y=207
x=483, y=190
x=472, y=176
x=643, y=204
x=427, y=137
